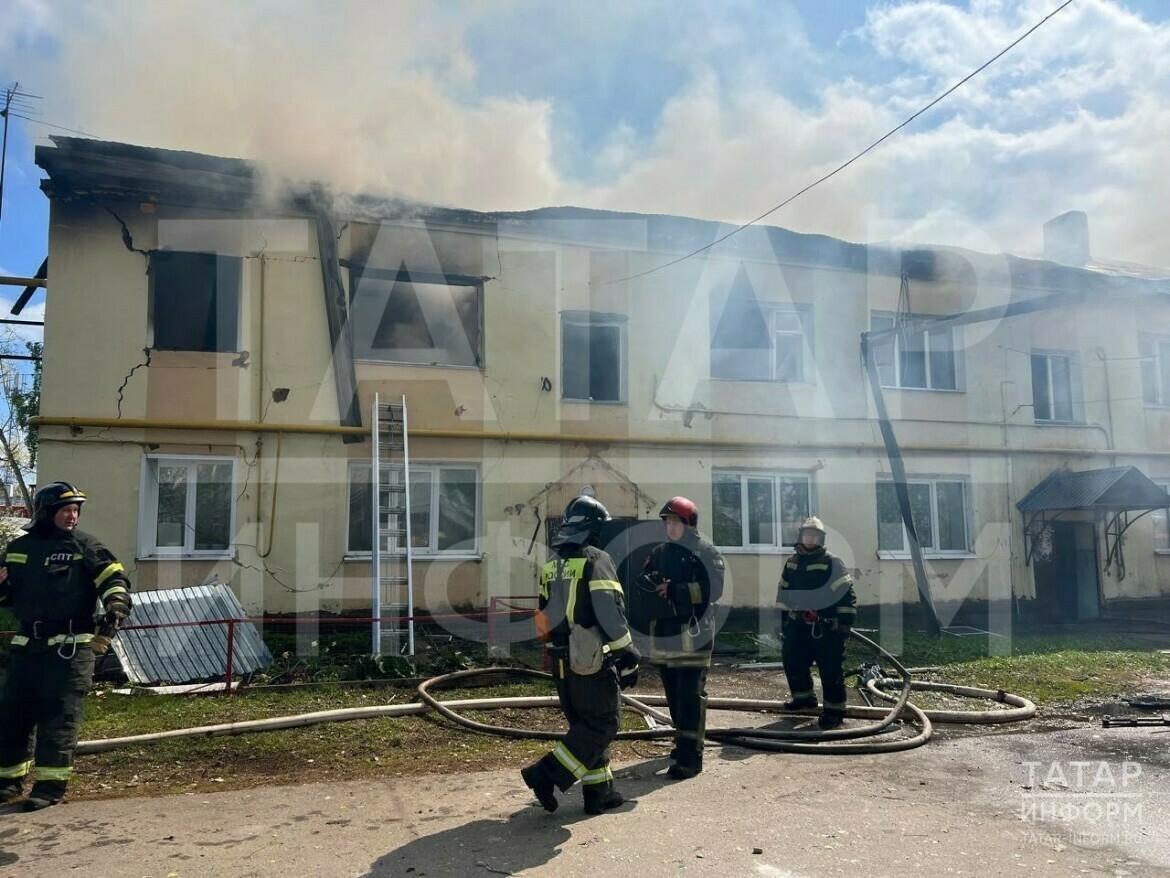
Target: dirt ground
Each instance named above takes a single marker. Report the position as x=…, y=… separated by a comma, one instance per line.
x=1056, y=796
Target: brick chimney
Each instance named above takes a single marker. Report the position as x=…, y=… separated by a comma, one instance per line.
x=1066, y=238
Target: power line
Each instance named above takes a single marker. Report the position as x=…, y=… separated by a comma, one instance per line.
x=859, y=155
x=51, y=125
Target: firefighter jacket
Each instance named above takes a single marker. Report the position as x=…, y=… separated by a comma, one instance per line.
x=695, y=572
x=581, y=588
x=816, y=581
x=55, y=578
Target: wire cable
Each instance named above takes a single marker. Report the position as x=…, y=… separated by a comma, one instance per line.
x=841, y=167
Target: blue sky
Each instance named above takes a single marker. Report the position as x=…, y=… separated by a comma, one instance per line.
x=713, y=110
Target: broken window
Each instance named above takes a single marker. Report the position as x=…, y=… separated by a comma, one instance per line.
x=593, y=356
x=761, y=510
x=187, y=507
x=1161, y=521
x=195, y=301
x=939, y=510
x=407, y=317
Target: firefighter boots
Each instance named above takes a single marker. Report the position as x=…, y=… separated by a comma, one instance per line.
x=45, y=793
x=682, y=771
x=601, y=797
x=11, y=789
x=537, y=779
x=807, y=703
x=830, y=719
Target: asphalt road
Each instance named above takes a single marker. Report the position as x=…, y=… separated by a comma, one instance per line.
x=1009, y=801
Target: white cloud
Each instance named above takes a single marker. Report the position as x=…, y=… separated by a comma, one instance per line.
x=386, y=98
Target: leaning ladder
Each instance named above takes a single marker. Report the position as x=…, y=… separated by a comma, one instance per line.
x=393, y=584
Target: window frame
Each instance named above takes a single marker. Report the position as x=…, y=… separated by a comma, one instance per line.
x=1160, y=520
x=776, y=476
x=602, y=319
x=431, y=550
x=1075, y=393
x=1155, y=370
x=928, y=551
x=895, y=343
x=773, y=311
x=391, y=277
x=160, y=258
x=148, y=548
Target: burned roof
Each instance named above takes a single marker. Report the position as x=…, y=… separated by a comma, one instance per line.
x=81, y=168
x=1109, y=490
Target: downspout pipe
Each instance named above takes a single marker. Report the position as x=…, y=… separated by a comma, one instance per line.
x=901, y=490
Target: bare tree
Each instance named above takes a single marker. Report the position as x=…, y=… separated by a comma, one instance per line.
x=22, y=398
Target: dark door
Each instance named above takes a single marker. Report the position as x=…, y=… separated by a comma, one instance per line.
x=1067, y=588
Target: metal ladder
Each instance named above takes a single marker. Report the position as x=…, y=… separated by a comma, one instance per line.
x=393, y=583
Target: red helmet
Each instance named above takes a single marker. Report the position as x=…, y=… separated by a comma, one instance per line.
x=683, y=508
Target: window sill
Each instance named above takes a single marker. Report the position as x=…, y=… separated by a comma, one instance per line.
x=188, y=556
x=925, y=389
x=1056, y=423
x=756, y=550
x=886, y=555
x=417, y=555
x=569, y=401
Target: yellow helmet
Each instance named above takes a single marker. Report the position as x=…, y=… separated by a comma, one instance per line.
x=814, y=523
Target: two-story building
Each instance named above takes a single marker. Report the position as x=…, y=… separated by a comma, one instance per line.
x=214, y=341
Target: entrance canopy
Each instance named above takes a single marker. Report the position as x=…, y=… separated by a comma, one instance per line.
x=1110, y=493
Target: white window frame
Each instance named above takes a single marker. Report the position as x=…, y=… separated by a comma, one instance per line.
x=1160, y=521
x=148, y=548
x=777, y=544
x=591, y=319
x=928, y=551
x=1076, y=402
x=774, y=313
x=895, y=343
x=1154, y=351
x=430, y=550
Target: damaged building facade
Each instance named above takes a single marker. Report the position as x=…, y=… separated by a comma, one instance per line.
x=213, y=348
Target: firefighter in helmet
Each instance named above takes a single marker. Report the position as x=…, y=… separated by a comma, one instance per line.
x=582, y=619
x=688, y=574
x=52, y=579
x=817, y=607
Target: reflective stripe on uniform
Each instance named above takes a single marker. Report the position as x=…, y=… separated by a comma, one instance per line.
x=598, y=775
x=19, y=640
x=19, y=770
x=621, y=643
x=110, y=570
x=817, y=567
x=604, y=585
x=696, y=591
x=16, y=558
x=571, y=763
x=43, y=772
x=24, y=640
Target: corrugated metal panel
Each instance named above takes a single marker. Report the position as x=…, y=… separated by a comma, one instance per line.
x=1116, y=488
x=188, y=652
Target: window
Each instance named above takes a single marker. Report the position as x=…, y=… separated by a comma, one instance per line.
x=593, y=357
x=939, y=510
x=758, y=509
x=926, y=358
x=195, y=301
x=187, y=507
x=1155, y=354
x=1161, y=520
x=1054, y=395
x=761, y=343
x=401, y=317
x=444, y=502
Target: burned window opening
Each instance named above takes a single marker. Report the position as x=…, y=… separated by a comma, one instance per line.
x=195, y=301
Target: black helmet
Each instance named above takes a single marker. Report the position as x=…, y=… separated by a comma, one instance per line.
x=582, y=521
x=682, y=508
x=52, y=497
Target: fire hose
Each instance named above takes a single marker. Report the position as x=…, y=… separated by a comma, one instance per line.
x=884, y=723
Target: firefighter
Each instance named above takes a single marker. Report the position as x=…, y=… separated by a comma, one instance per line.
x=817, y=607
x=582, y=618
x=687, y=572
x=52, y=578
